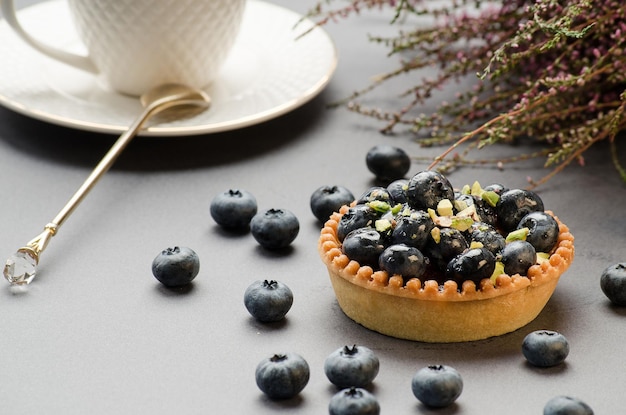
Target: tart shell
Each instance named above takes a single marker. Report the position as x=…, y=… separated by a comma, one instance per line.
x=425, y=311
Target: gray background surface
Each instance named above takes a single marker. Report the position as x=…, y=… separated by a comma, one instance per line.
x=97, y=334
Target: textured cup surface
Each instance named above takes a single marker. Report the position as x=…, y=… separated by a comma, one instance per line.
x=138, y=44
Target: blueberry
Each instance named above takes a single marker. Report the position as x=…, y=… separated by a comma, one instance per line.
x=175, y=267
x=387, y=162
x=517, y=257
x=474, y=264
x=375, y=193
x=282, y=376
x=488, y=236
x=275, y=228
x=355, y=366
x=233, y=209
x=437, y=386
x=403, y=260
x=543, y=230
x=412, y=228
x=268, y=301
x=328, y=199
x=427, y=188
x=566, y=405
x=359, y=216
x=496, y=188
x=445, y=245
x=513, y=205
x=397, y=190
x=364, y=245
x=545, y=348
x=613, y=283
x=353, y=401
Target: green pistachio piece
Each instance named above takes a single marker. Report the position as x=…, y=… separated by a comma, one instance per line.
x=498, y=270
x=542, y=257
x=461, y=224
x=517, y=235
x=490, y=197
x=379, y=206
x=460, y=205
x=466, y=190
x=397, y=208
x=476, y=190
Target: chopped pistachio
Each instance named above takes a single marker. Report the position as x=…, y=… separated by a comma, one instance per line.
x=461, y=224
x=542, y=257
x=498, y=270
x=436, y=234
x=517, y=235
x=476, y=190
x=444, y=207
x=382, y=225
x=490, y=197
x=379, y=206
x=476, y=244
x=460, y=205
x=466, y=190
x=397, y=208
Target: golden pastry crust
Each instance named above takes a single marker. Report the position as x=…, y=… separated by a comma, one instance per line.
x=424, y=311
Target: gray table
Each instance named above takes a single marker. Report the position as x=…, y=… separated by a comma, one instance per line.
x=97, y=334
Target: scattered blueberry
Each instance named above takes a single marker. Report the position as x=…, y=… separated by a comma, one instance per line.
x=403, y=260
x=517, y=257
x=545, y=348
x=233, y=209
x=328, y=199
x=613, y=283
x=355, y=366
x=274, y=228
x=364, y=245
x=175, y=267
x=566, y=405
x=268, y=301
x=387, y=162
x=427, y=188
x=514, y=204
x=437, y=386
x=282, y=376
x=353, y=401
x=543, y=230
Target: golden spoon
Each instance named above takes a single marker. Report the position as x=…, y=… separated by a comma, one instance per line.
x=21, y=267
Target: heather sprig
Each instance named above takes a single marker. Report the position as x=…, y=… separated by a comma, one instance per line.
x=553, y=71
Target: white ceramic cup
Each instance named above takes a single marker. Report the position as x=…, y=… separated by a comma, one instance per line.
x=135, y=45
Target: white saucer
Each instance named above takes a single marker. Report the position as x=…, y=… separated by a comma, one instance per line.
x=269, y=73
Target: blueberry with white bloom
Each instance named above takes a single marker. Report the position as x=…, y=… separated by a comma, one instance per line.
x=176, y=266
x=566, y=405
x=353, y=401
x=437, y=386
x=282, y=376
x=545, y=348
x=351, y=366
x=275, y=228
x=328, y=199
x=233, y=209
x=613, y=283
x=268, y=301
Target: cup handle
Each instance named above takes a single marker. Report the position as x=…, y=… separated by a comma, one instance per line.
x=72, y=59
